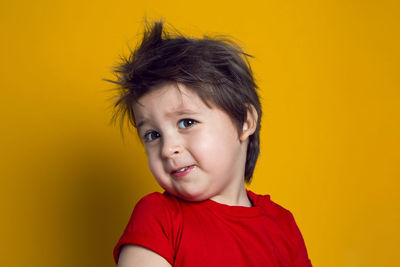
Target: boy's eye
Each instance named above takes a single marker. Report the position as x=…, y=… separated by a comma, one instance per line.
x=150, y=136
x=185, y=123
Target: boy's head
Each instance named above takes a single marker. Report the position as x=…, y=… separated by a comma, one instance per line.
x=216, y=70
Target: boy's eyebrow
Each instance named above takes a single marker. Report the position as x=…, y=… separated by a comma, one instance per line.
x=139, y=124
x=181, y=112
x=178, y=112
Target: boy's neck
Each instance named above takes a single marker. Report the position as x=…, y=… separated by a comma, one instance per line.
x=240, y=198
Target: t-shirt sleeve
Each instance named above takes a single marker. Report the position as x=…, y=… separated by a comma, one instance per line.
x=301, y=255
x=149, y=226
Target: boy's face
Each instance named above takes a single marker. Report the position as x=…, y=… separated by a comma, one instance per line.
x=194, y=151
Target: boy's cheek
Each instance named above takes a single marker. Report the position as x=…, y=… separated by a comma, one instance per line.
x=152, y=154
x=212, y=144
x=158, y=175
x=152, y=163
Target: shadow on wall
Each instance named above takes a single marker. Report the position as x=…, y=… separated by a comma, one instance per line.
x=103, y=187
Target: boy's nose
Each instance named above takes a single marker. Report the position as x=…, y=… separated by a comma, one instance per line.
x=171, y=148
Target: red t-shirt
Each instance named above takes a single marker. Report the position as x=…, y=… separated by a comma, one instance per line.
x=212, y=234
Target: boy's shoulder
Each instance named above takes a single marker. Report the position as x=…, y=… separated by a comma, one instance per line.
x=268, y=206
x=157, y=197
x=157, y=203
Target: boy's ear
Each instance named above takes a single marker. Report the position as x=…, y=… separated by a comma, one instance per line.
x=250, y=124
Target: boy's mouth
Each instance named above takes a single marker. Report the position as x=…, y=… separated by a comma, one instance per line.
x=182, y=171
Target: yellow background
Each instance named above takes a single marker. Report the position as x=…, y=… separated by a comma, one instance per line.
x=329, y=78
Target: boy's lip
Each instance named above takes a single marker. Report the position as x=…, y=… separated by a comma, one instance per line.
x=182, y=171
x=177, y=169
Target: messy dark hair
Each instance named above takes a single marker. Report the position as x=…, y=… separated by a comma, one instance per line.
x=216, y=69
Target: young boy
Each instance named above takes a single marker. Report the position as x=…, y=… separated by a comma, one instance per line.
x=195, y=106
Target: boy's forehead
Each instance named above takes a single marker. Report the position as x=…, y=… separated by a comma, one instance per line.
x=169, y=99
